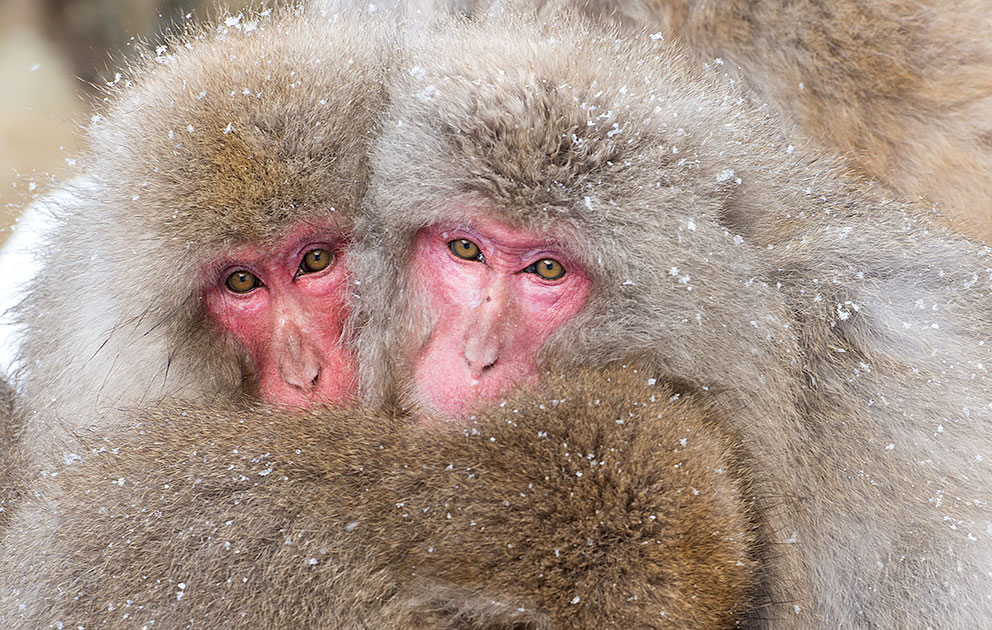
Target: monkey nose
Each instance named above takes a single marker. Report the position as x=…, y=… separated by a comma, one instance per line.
x=299, y=363
x=300, y=374
x=480, y=356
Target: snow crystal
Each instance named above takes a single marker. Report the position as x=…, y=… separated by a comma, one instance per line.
x=725, y=175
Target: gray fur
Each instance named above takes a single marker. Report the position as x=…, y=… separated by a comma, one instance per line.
x=842, y=333
x=903, y=88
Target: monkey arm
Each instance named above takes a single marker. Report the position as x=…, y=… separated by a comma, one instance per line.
x=597, y=500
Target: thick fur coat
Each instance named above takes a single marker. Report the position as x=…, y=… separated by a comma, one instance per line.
x=841, y=333
x=602, y=500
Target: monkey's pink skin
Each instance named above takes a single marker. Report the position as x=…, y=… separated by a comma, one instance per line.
x=491, y=316
x=292, y=323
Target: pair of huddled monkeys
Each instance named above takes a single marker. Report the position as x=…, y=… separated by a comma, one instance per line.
x=598, y=344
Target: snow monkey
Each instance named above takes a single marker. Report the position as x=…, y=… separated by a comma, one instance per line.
x=550, y=195
x=602, y=499
x=208, y=240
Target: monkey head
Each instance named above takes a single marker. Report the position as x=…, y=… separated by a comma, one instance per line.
x=557, y=199
x=217, y=205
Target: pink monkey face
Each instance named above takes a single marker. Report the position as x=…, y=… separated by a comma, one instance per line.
x=287, y=306
x=497, y=294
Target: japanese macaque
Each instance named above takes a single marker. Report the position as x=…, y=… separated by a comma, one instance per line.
x=604, y=499
x=207, y=237
x=546, y=195
x=903, y=88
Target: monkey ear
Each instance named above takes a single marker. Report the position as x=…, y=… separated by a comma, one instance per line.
x=435, y=604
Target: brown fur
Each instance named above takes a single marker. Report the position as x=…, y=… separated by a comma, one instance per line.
x=842, y=334
x=226, y=136
x=602, y=500
x=902, y=87
x=10, y=462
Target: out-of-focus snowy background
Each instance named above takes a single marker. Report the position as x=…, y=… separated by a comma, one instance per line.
x=54, y=57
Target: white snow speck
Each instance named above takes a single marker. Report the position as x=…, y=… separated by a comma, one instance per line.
x=725, y=175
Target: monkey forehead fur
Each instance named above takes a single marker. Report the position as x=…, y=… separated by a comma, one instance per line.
x=244, y=128
x=601, y=499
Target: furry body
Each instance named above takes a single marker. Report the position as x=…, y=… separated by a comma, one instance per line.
x=842, y=334
x=601, y=500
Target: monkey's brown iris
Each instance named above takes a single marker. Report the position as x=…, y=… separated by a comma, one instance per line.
x=242, y=281
x=464, y=248
x=316, y=260
x=548, y=268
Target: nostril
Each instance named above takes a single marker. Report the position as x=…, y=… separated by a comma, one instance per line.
x=315, y=378
x=489, y=365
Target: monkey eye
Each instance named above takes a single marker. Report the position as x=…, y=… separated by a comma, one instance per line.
x=242, y=281
x=315, y=260
x=466, y=249
x=547, y=268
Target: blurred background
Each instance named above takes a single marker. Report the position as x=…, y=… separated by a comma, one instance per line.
x=54, y=56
